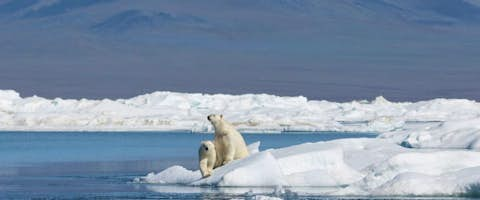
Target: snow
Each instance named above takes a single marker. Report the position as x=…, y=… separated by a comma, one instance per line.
x=347, y=167
x=457, y=134
x=431, y=173
x=313, y=165
x=170, y=111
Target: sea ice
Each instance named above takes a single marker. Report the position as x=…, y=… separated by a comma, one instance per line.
x=170, y=111
x=456, y=134
x=349, y=167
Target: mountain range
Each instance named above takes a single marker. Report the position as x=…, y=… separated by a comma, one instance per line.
x=338, y=50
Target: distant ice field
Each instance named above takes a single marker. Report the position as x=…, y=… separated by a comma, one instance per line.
x=171, y=111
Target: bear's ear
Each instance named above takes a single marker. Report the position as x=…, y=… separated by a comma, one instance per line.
x=221, y=116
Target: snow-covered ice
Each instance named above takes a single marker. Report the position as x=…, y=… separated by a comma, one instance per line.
x=456, y=134
x=348, y=166
x=249, y=112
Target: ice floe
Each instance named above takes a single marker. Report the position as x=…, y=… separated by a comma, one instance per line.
x=347, y=167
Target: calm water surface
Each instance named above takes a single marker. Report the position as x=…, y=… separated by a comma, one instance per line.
x=103, y=165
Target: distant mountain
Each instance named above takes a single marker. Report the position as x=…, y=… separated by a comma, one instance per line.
x=329, y=49
x=138, y=19
x=50, y=8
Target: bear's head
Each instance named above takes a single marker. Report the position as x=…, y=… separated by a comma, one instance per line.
x=215, y=119
x=207, y=146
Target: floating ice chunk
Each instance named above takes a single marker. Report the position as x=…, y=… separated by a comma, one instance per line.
x=172, y=175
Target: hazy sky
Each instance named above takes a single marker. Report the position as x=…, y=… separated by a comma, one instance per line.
x=337, y=50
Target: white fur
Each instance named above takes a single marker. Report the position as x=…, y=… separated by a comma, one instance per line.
x=228, y=142
x=207, y=157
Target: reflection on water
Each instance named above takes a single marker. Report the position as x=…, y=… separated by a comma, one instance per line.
x=277, y=191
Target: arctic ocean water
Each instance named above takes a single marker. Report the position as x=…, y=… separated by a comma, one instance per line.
x=104, y=164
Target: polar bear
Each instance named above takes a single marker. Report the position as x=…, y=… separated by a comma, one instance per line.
x=228, y=142
x=207, y=157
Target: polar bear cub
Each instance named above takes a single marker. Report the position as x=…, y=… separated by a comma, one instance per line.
x=229, y=143
x=207, y=157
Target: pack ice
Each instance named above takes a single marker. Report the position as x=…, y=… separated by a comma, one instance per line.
x=249, y=112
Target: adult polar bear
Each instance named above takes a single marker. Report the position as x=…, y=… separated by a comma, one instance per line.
x=229, y=143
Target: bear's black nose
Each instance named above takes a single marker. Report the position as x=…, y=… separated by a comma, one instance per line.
x=208, y=118
x=206, y=148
